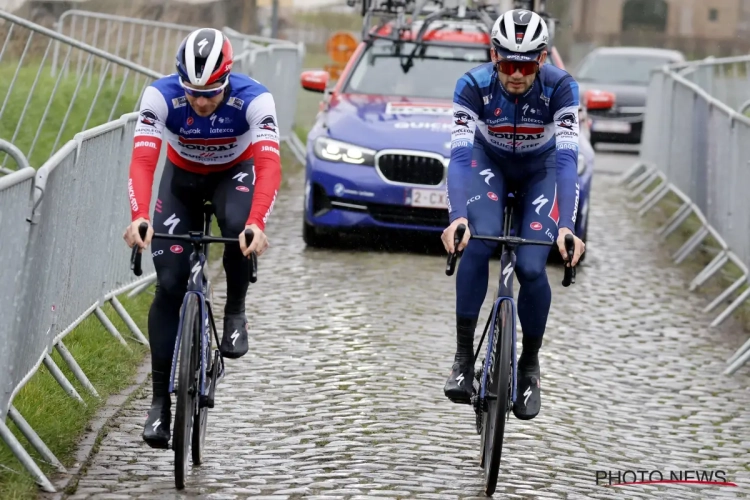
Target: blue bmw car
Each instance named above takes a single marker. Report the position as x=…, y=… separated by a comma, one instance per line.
x=378, y=153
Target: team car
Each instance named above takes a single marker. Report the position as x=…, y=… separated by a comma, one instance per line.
x=378, y=153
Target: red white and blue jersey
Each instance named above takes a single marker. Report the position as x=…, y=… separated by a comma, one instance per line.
x=244, y=126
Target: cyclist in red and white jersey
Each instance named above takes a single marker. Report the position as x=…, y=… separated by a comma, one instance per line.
x=223, y=146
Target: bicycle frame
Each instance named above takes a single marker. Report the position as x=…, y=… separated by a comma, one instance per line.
x=197, y=285
x=504, y=292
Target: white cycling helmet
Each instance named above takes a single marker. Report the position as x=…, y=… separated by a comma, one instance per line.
x=520, y=35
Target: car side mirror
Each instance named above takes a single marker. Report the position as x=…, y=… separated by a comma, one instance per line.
x=599, y=99
x=315, y=80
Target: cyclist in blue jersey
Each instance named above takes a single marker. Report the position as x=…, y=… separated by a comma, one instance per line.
x=515, y=128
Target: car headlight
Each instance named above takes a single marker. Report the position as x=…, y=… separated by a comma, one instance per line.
x=337, y=151
x=581, y=164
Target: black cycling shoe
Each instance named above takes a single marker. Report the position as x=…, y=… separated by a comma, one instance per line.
x=460, y=385
x=528, y=392
x=156, y=431
x=234, y=341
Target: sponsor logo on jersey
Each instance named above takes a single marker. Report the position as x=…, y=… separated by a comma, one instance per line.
x=190, y=131
x=179, y=102
x=148, y=117
x=462, y=119
x=567, y=120
x=209, y=145
x=236, y=102
x=268, y=123
x=222, y=130
x=145, y=144
x=269, y=149
x=521, y=133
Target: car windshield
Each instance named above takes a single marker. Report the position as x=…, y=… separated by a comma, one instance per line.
x=433, y=76
x=619, y=68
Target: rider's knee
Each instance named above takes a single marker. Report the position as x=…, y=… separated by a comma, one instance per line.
x=530, y=270
x=171, y=284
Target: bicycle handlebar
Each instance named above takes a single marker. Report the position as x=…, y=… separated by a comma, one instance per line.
x=196, y=238
x=570, y=271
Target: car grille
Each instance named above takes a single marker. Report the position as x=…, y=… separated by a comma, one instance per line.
x=411, y=169
x=398, y=214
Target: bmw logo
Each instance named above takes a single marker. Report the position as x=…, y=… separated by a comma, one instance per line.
x=338, y=189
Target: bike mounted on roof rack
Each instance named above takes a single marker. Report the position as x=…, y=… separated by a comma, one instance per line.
x=424, y=14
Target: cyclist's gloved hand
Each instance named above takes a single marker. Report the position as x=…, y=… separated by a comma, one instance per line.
x=259, y=243
x=580, y=246
x=133, y=237
x=449, y=233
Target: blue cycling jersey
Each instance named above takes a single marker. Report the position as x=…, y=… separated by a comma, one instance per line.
x=514, y=131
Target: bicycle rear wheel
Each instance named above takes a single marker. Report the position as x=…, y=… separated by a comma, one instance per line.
x=498, y=386
x=186, y=388
x=200, y=417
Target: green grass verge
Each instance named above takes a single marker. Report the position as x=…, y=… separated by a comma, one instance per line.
x=65, y=97
x=61, y=420
x=700, y=257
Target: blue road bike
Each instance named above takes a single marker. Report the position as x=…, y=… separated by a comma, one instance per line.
x=495, y=385
x=200, y=369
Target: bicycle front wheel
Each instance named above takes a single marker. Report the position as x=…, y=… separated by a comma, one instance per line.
x=186, y=388
x=200, y=419
x=498, y=388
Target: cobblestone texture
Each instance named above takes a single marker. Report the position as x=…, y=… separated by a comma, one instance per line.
x=341, y=392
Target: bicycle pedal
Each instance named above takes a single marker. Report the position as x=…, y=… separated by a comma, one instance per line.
x=460, y=401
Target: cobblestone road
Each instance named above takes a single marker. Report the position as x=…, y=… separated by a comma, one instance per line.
x=341, y=393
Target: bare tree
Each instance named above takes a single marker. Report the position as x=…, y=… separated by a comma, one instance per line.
x=242, y=15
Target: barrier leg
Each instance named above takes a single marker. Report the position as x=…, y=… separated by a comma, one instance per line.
x=654, y=197
x=675, y=221
x=711, y=269
x=140, y=288
x=128, y=321
x=60, y=377
x=625, y=176
x=640, y=179
x=75, y=368
x=642, y=187
x=726, y=293
x=110, y=327
x=33, y=438
x=729, y=310
x=24, y=458
x=690, y=245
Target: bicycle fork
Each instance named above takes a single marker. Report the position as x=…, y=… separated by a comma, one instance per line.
x=505, y=292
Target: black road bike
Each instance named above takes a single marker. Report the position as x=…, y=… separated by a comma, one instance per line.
x=495, y=385
x=200, y=369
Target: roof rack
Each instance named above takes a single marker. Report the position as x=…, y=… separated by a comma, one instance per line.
x=421, y=14
x=414, y=17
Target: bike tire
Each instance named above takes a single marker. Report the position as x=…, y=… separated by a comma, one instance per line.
x=497, y=409
x=186, y=393
x=200, y=418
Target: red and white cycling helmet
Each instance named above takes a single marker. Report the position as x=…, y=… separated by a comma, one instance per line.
x=205, y=56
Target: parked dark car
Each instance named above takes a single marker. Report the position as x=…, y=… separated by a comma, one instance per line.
x=626, y=72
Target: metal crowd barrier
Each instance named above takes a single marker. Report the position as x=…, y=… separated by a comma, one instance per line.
x=695, y=147
x=28, y=46
x=55, y=285
x=275, y=63
x=51, y=286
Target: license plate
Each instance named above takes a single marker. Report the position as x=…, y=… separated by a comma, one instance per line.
x=428, y=198
x=611, y=126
